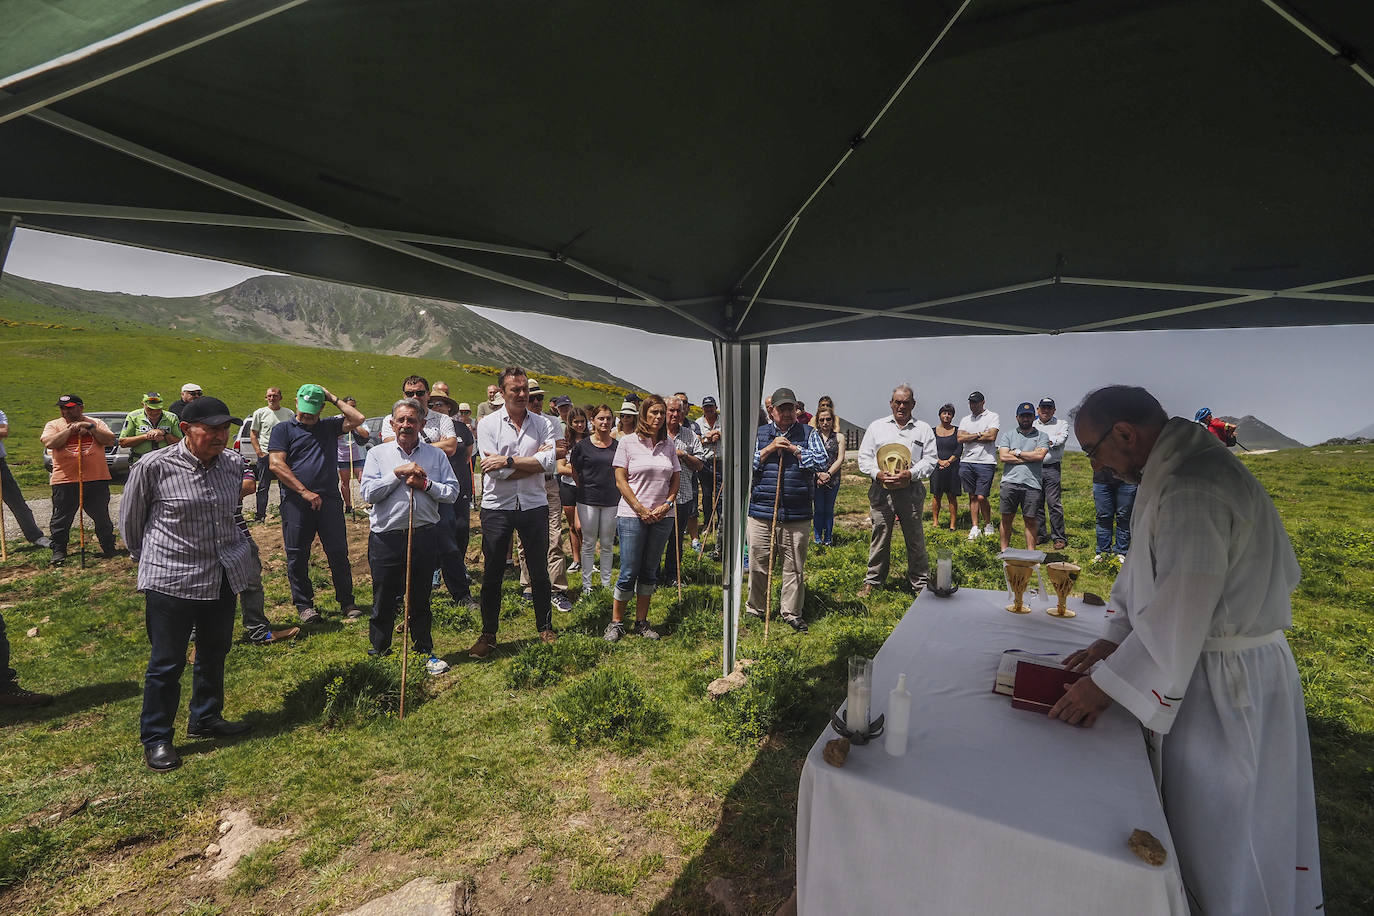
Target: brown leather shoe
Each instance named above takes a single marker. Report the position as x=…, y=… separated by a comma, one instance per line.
x=1060, y=544
x=485, y=645
x=865, y=590
x=548, y=636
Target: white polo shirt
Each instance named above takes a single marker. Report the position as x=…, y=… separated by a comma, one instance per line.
x=980, y=452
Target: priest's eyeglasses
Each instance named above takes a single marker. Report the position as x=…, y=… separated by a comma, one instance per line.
x=1089, y=452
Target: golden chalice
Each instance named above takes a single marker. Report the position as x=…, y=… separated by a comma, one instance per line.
x=1018, y=577
x=1062, y=578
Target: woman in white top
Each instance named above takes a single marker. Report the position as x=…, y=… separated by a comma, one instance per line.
x=646, y=473
x=567, y=484
x=629, y=420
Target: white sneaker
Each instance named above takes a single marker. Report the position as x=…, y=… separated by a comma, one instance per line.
x=990, y=531
x=435, y=665
x=696, y=543
x=973, y=533
x=1097, y=558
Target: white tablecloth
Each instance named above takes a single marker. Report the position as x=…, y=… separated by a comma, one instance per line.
x=993, y=809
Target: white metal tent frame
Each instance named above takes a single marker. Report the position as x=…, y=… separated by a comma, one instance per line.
x=740, y=352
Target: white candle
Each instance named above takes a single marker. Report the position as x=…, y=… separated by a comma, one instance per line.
x=944, y=574
x=856, y=712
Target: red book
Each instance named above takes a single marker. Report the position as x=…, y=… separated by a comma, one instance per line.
x=1039, y=687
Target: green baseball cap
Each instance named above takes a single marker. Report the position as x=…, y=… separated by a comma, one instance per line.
x=310, y=399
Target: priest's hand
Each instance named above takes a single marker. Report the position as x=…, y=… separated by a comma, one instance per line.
x=1084, y=659
x=1081, y=704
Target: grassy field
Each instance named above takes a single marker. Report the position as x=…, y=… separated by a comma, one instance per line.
x=472, y=785
x=111, y=363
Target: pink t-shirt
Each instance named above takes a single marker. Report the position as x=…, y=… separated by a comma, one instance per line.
x=650, y=472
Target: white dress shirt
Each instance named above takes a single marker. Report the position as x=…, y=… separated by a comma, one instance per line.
x=915, y=435
x=1058, y=431
x=387, y=492
x=497, y=435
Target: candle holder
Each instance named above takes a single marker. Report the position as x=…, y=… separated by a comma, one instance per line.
x=874, y=729
x=1062, y=577
x=944, y=574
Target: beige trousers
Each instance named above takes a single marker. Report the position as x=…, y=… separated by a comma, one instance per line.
x=793, y=537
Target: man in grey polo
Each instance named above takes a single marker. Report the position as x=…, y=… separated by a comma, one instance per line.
x=177, y=517
x=1021, y=449
x=1058, y=432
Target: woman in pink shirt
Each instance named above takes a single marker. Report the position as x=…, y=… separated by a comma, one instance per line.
x=646, y=473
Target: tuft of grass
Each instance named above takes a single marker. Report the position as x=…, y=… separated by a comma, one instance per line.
x=776, y=697
x=608, y=706
x=542, y=664
x=22, y=852
x=256, y=870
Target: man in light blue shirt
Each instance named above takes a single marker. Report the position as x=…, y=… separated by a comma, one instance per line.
x=1022, y=450
x=405, y=480
x=1058, y=432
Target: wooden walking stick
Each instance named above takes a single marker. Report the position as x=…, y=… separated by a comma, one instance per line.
x=677, y=543
x=772, y=552
x=715, y=511
x=81, y=499
x=4, y=545
x=405, y=618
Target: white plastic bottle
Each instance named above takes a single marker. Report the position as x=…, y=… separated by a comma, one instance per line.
x=897, y=725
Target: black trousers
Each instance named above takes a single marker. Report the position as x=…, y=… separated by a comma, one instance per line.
x=1050, y=480
x=170, y=621
x=97, y=505
x=708, y=479
x=498, y=526
x=455, y=529
x=386, y=555
x=265, y=477
x=14, y=499
x=299, y=526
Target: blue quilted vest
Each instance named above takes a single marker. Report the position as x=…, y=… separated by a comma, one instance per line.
x=798, y=485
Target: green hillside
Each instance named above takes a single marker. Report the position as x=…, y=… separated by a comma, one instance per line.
x=110, y=362
x=314, y=313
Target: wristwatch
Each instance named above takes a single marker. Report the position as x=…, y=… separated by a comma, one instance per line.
x=510, y=461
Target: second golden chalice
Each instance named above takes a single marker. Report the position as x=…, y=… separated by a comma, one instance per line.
x=1018, y=577
x=1062, y=578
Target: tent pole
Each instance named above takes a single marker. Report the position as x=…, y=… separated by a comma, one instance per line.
x=739, y=373
x=5, y=241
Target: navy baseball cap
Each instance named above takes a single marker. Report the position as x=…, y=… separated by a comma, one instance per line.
x=210, y=411
x=1047, y=402
x=708, y=401
x=975, y=397
x=1025, y=407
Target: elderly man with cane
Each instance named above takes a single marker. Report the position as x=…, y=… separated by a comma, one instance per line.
x=787, y=456
x=80, y=475
x=406, y=480
x=177, y=516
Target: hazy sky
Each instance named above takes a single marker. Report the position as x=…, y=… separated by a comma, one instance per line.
x=1309, y=383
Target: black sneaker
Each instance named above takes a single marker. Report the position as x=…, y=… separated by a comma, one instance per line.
x=614, y=630
x=59, y=558
x=642, y=628
x=797, y=624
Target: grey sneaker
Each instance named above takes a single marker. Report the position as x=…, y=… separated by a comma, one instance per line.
x=560, y=601
x=309, y=615
x=44, y=542
x=614, y=630
x=642, y=628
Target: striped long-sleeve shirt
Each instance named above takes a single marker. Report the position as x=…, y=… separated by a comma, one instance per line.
x=177, y=518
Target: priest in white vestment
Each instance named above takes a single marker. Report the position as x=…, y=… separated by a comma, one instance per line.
x=1194, y=649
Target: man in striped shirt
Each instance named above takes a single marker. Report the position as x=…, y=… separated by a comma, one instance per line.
x=177, y=517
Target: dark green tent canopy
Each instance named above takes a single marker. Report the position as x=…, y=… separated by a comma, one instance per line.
x=747, y=172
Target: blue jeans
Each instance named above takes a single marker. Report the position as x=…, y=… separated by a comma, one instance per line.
x=823, y=513
x=1113, y=502
x=169, y=622
x=641, y=550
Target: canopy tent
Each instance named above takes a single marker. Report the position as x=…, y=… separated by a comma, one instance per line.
x=747, y=173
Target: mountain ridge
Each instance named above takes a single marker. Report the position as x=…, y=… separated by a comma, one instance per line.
x=315, y=313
